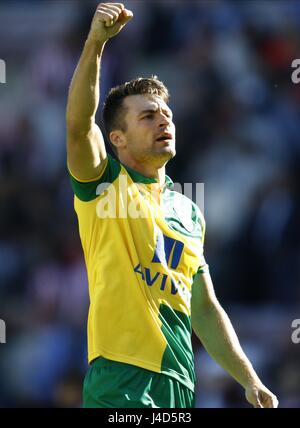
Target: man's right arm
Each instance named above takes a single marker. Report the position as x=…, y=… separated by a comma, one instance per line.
x=85, y=144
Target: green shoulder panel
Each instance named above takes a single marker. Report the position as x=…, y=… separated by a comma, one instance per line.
x=183, y=215
x=87, y=191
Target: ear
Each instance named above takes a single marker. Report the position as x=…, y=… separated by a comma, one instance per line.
x=118, y=139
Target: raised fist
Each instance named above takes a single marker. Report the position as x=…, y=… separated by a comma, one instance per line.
x=108, y=21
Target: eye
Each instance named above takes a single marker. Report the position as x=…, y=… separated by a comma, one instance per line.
x=148, y=116
x=168, y=115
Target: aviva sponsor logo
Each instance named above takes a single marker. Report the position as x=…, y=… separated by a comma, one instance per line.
x=167, y=252
x=151, y=277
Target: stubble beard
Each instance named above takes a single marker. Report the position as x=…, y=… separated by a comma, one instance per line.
x=159, y=158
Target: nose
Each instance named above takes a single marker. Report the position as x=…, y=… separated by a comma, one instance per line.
x=164, y=120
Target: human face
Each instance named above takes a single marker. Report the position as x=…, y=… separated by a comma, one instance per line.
x=150, y=134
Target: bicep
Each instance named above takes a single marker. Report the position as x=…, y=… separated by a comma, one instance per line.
x=86, y=153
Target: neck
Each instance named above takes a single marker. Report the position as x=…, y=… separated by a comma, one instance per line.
x=159, y=173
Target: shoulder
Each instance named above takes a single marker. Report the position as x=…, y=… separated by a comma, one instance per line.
x=185, y=209
x=186, y=203
x=86, y=190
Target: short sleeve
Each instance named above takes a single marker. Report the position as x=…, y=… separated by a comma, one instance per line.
x=203, y=267
x=86, y=190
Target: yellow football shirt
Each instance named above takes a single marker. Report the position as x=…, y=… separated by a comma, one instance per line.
x=142, y=245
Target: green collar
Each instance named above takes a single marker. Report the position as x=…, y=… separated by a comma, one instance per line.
x=137, y=177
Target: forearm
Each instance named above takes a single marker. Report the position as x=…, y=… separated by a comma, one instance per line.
x=84, y=92
x=215, y=331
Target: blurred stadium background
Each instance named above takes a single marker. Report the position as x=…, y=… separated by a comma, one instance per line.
x=237, y=112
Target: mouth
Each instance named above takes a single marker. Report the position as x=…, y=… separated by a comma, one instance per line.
x=165, y=137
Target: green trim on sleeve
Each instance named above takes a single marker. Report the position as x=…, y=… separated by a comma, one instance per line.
x=203, y=269
x=87, y=191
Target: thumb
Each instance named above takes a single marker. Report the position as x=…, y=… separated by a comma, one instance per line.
x=256, y=400
x=253, y=398
x=124, y=17
x=257, y=404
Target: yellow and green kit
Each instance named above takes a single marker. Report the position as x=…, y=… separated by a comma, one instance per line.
x=143, y=244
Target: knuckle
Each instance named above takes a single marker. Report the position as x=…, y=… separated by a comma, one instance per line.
x=114, y=13
x=108, y=9
x=103, y=6
x=120, y=6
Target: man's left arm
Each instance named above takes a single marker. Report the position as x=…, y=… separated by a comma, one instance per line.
x=213, y=327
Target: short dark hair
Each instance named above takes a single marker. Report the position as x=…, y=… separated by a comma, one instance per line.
x=114, y=111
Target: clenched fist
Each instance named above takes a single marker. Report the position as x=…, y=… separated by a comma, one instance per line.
x=108, y=21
